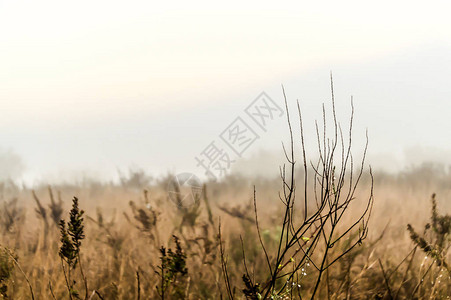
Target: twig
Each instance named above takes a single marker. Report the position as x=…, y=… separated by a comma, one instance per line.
x=20, y=269
x=224, y=264
x=138, y=287
x=387, y=284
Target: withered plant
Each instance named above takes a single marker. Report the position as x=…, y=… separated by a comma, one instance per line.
x=308, y=237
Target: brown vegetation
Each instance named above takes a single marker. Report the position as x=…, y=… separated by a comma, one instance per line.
x=239, y=239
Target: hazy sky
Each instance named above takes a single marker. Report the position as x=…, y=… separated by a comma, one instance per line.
x=93, y=86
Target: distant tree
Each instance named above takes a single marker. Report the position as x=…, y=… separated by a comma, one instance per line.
x=11, y=165
x=136, y=178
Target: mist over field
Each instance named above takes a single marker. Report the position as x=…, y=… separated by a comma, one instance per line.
x=238, y=150
x=149, y=86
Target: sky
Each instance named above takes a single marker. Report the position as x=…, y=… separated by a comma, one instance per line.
x=90, y=88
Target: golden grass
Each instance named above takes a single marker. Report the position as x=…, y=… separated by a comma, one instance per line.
x=118, y=249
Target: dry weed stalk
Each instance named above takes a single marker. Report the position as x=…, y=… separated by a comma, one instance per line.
x=307, y=239
x=436, y=246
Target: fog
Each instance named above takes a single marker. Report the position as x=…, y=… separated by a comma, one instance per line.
x=88, y=90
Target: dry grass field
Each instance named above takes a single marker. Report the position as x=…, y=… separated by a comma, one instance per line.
x=328, y=229
x=136, y=243
x=198, y=150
